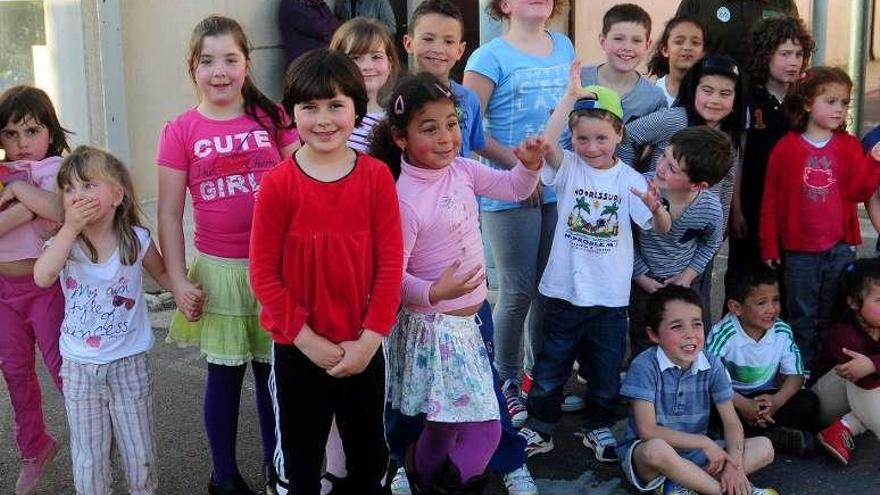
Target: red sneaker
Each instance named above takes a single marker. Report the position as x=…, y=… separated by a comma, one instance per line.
x=32, y=470
x=838, y=441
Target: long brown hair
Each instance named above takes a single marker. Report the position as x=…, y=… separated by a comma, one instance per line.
x=254, y=99
x=20, y=102
x=358, y=36
x=87, y=163
x=811, y=86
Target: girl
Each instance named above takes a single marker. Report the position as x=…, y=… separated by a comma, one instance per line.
x=100, y=252
x=587, y=280
x=367, y=43
x=816, y=175
x=33, y=140
x=678, y=49
x=849, y=392
x=219, y=150
x=504, y=73
x=326, y=267
x=439, y=364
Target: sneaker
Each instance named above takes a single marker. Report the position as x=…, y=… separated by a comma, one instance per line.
x=535, y=442
x=32, y=470
x=573, y=403
x=526, y=384
x=604, y=446
x=763, y=491
x=271, y=479
x=516, y=406
x=791, y=441
x=400, y=483
x=520, y=482
x=670, y=487
x=837, y=440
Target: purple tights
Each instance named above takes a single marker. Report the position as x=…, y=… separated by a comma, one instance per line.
x=468, y=445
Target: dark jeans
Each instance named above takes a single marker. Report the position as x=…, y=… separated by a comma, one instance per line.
x=811, y=281
x=402, y=430
x=801, y=412
x=601, y=333
x=306, y=398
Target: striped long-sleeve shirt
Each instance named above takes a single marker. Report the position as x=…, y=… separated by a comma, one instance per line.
x=692, y=241
x=655, y=130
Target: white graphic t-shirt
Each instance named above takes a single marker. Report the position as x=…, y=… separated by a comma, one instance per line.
x=591, y=260
x=105, y=314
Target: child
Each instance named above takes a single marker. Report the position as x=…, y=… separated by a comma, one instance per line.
x=781, y=48
x=367, y=43
x=326, y=267
x=678, y=49
x=665, y=447
x=587, y=281
x=100, y=252
x=435, y=42
x=625, y=38
x=439, y=364
x=764, y=362
x=33, y=140
x=816, y=175
x=504, y=73
x=850, y=388
x=219, y=150
x=696, y=159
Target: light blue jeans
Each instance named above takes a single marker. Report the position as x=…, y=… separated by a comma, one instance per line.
x=520, y=240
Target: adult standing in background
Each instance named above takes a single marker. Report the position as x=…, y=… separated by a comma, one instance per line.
x=306, y=25
x=375, y=9
x=728, y=23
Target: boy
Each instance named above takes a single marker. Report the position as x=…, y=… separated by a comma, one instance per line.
x=625, y=38
x=764, y=363
x=672, y=387
x=434, y=41
x=695, y=160
x=780, y=48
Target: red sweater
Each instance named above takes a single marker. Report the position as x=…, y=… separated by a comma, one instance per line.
x=847, y=335
x=329, y=254
x=810, y=194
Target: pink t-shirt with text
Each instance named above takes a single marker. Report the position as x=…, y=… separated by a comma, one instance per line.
x=224, y=161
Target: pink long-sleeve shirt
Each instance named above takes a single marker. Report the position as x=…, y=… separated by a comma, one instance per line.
x=440, y=221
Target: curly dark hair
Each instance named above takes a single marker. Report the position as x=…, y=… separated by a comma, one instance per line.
x=811, y=86
x=766, y=36
x=493, y=8
x=659, y=63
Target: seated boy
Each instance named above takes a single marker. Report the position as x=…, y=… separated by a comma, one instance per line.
x=695, y=160
x=673, y=387
x=764, y=363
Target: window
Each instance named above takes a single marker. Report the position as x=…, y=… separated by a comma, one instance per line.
x=22, y=28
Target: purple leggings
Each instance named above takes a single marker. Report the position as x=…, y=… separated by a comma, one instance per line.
x=469, y=446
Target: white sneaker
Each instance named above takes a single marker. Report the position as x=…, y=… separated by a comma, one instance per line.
x=535, y=443
x=400, y=483
x=604, y=446
x=573, y=403
x=520, y=482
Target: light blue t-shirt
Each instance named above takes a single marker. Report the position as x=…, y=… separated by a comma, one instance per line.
x=527, y=89
x=470, y=119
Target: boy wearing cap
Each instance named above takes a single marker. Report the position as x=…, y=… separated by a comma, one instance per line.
x=586, y=281
x=695, y=160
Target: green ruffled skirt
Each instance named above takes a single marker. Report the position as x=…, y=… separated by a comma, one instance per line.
x=229, y=331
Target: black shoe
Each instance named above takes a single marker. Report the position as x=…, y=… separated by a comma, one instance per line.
x=231, y=486
x=792, y=442
x=448, y=481
x=271, y=479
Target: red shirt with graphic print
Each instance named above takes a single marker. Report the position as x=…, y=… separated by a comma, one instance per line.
x=811, y=193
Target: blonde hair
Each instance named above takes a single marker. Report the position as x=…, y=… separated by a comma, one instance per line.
x=87, y=163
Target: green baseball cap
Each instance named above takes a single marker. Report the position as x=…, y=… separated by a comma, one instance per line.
x=606, y=99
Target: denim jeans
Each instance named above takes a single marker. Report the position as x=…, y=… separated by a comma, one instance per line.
x=520, y=240
x=402, y=430
x=601, y=332
x=811, y=290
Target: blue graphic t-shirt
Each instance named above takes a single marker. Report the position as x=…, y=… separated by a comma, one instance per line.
x=470, y=119
x=527, y=89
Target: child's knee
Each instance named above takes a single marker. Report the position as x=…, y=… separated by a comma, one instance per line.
x=761, y=450
x=655, y=453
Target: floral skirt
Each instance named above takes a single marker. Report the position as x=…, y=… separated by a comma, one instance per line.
x=229, y=331
x=439, y=366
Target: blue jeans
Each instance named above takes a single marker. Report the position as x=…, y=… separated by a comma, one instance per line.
x=811, y=290
x=520, y=240
x=601, y=332
x=401, y=430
